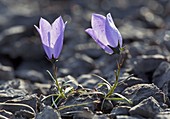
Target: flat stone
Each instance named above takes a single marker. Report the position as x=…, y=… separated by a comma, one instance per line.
x=120, y=110
x=138, y=92
x=6, y=73
x=147, y=108
x=161, y=75
x=48, y=113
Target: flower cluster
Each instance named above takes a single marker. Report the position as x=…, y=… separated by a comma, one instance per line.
x=103, y=31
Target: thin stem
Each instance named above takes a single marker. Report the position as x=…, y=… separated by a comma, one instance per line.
x=117, y=74
x=56, y=81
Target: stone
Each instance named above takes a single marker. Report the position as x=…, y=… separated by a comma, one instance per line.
x=30, y=75
x=88, y=81
x=6, y=73
x=163, y=115
x=143, y=66
x=74, y=65
x=120, y=110
x=127, y=82
x=11, y=93
x=48, y=113
x=139, y=92
x=147, y=108
x=5, y=113
x=161, y=75
x=126, y=117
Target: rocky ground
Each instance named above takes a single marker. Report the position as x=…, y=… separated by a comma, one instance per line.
x=145, y=74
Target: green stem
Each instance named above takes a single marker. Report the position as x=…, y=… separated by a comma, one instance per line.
x=56, y=81
x=117, y=73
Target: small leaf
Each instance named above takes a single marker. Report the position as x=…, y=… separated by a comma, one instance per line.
x=123, y=97
x=51, y=75
x=102, y=79
x=104, y=84
x=68, y=89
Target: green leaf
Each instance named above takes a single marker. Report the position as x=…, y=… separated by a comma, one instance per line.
x=102, y=79
x=123, y=97
x=104, y=84
x=51, y=75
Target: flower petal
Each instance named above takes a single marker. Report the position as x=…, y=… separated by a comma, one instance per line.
x=112, y=33
x=45, y=29
x=98, y=25
x=103, y=46
x=57, y=36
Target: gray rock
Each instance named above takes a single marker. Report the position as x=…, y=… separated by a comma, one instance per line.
x=5, y=113
x=87, y=49
x=147, y=108
x=146, y=64
x=120, y=110
x=138, y=92
x=101, y=117
x=126, y=117
x=31, y=75
x=137, y=32
x=31, y=49
x=76, y=65
x=163, y=115
x=10, y=84
x=48, y=113
x=6, y=73
x=88, y=81
x=142, y=48
x=77, y=103
x=11, y=93
x=30, y=100
x=127, y=82
x=161, y=75
x=85, y=114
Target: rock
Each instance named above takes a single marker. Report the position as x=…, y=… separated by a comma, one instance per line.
x=128, y=82
x=137, y=32
x=87, y=49
x=106, y=106
x=88, y=81
x=147, y=108
x=163, y=115
x=139, y=92
x=31, y=75
x=120, y=110
x=6, y=73
x=77, y=103
x=11, y=93
x=69, y=80
x=104, y=116
x=6, y=114
x=141, y=48
x=30, y=100
x=17, y=41
x=146, y=64
x=10, y=84
x=48, y=113
x=161, y=75
x=85, y=114
x=126, y=117
x=74, y=65
x=154, y=22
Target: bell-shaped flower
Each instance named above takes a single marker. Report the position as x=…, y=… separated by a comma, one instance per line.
x=105, y=33
x=52, y=36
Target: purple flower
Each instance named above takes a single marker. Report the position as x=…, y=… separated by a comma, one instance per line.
x=52, y=36
x=104, y=32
